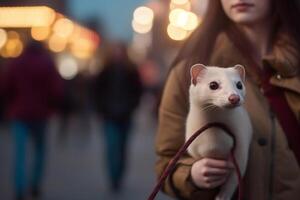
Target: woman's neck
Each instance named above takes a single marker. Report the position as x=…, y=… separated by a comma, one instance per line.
x=259, y=36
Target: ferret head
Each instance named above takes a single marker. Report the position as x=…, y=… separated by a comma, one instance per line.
x=220, y=87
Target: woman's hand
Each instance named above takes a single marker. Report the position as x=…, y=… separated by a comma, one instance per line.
x=210, y=173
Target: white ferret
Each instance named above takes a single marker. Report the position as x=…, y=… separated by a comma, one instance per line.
x=216, y=95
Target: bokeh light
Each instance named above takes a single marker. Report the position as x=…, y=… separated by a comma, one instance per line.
x=178, y=17
x=57, y=43
x=63, y=27
x=40, y=33
x=177, y=33
x=13, y=35
x=3, y=37
x=180, y=2
x=183, y=4
x=13, y=47
x=82, y=48
x=143, y=15
x=141, y=28
x=191, y=23
x=18, y=17
x=68, y=68
x=183, y=19
x=142, y=20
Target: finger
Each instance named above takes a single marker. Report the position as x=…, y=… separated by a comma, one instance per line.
x=217, y=183
x=218, y=163
x=211, y=179
x=209, y=171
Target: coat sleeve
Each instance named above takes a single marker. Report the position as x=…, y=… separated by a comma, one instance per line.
x=171, y=136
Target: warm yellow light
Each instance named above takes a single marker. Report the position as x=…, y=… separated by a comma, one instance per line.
x=183, y=4
x=82, y=48
x=177, y=33
x=13, y=46
x=18, y=17
x=143, y=15
x=178, y=17
x=77, y=33
x=13, y=35
x=3, y=37
x=183, y=19
x=40, y=33
x=192, y=22
x=140, y=28
x=83, y=42
x=3, y=53
x=180, y=2
x=57, y=44
x=63, y=27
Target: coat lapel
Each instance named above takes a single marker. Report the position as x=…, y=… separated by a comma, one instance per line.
x=284, y=60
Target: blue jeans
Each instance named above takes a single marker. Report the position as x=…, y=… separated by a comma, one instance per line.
x=22, y=131
x=116, y=137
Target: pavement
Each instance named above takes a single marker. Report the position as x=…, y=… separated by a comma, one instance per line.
x=75, y=160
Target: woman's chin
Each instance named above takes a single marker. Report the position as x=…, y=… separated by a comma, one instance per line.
x=244, y=20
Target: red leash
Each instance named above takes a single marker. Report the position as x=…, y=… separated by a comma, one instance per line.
x=183, y=149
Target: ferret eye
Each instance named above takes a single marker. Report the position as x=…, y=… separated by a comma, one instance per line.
x=213, y=85
x=239, y=85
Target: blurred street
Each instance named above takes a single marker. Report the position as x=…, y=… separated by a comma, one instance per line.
x=86, y=86
x=75, y=168
x=80, y=85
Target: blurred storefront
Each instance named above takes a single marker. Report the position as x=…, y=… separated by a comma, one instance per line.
x=73, y=45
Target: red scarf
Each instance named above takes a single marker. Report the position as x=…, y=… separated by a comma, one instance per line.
x=286, y=117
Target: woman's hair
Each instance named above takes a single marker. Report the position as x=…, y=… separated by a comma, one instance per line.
x=199, y=46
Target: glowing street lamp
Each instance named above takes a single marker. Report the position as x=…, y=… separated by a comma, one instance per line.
x=63, y=27
x=40, y=33
x=142, y=20
x=57, y=43
x=22, y=17
x=183, y=4
x=143, y=15
x=3, y=37
x=183, y=19
x=13, y=46
x=141, y=28
x=177, y=33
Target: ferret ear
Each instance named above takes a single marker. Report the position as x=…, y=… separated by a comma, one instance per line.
x=195, y=71
x=241, y=70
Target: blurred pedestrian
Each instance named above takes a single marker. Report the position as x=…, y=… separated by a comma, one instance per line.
x=75, y=107
x=118, y=89
x=264, y=36
x=32, y=88
x=1, y=96
x=150, y=75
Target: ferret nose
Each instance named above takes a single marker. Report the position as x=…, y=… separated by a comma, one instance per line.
x=234, y=99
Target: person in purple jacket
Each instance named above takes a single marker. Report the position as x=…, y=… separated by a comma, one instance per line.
x=31, y=88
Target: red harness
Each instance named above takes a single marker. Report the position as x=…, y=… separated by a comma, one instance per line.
x=171, y=166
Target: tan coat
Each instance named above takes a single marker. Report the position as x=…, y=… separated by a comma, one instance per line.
x=262, y=177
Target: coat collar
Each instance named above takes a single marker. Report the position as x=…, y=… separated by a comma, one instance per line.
x=284, y=58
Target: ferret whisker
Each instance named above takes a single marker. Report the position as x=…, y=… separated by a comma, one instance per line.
x=210, y=107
